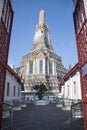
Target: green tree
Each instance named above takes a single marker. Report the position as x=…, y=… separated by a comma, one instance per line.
x=40, y=90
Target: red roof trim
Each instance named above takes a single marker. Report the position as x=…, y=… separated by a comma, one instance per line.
x=70, y=72
x=12, y=71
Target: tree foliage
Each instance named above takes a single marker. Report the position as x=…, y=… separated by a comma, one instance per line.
x=40, y=90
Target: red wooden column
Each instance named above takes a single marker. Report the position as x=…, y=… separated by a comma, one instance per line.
x=6, y=18
x=80, y=21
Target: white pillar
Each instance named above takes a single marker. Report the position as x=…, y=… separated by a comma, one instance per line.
x=12, y=88
x=27, y=69
x=71, y=88
x=48, y=67
x=44, y=66
x=78, y=86
x=65, y=90
x=34, y=67
x=37, y=66
x=53, y=66
x=55, y=70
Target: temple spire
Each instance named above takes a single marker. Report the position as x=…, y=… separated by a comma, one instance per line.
x=42, y=17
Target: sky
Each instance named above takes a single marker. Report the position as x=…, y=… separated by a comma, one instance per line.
x=59, y=18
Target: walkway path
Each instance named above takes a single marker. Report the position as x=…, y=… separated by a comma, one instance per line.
x=42, y=118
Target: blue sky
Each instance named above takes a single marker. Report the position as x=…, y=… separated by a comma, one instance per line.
x=60, y=21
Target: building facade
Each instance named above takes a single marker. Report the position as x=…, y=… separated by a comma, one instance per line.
x=70, y=84
x=41, y=64
x=80, y=22
x=13, y=86
x=6, y=18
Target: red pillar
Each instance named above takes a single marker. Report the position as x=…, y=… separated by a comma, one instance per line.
x=80, y=21
x=6, y=18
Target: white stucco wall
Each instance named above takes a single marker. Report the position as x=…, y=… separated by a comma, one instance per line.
x=36, y=66
x=12, y=81
x=69, y=92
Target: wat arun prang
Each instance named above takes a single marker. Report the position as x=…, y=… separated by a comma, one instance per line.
x=41, y=64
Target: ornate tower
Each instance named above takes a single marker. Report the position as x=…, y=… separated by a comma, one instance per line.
x=41, y=64
x=42, y=33
x=80, y=21
x=6, y=18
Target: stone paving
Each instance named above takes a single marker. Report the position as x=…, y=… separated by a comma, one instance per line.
x=42, y=118
x=47, y=117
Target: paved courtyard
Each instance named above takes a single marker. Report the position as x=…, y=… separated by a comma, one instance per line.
x=47, y=117
x=42, y=118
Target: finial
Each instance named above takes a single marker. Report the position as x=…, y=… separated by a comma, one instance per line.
x=42, y=9
x=42, y=17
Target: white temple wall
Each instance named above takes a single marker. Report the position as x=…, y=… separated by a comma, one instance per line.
x=37, y=34
x=44, y=66
x=72, y=87
x=12, y=80
x=36, y=67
